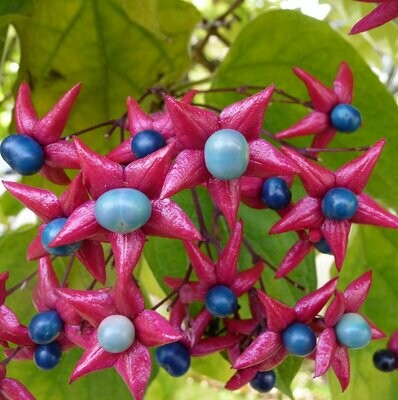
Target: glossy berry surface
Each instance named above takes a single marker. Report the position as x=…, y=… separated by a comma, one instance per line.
x=146, y=142
x=275, y=193
x=22, y=153
x=48, y=356
x=123, y=210
x=264, y=381
x=45, y=327
x=299, y=339
x=174, y=358
x=221, y=301
x=353, y=331
x=48, y=234
x=116, y=333
x=339, y=204
x=323, y=247
x=226, y=154
x=345, y=118
x=385, y=360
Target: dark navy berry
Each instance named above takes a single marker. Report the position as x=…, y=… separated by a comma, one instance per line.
x=146, y=142
x=221, y=301
x=22, y=153
x=385, y=360
x=275, y=193
x=345, y=118
x=45, y=327
x=47, y=356
x=48, y=234
x=174, y=358
x=299, y=339
x=339, y=204
x=323, y=247
x=264, y=381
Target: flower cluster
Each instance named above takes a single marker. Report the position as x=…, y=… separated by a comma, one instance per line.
x=115, y=202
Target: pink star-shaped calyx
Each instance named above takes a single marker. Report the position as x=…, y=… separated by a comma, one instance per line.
x=386, y=11
x=47, y=131
x=47, y=206
x=269, y=345
x=44, y=299
x=224, y=272
x=11, y=389
x=193, y=126
x=329, y=352
x=193, y=329
x=323, y=100
x=151, y=329
x=319, y=182
x=146, y=175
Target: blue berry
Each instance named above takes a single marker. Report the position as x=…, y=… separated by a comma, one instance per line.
x=47, y=356
x=323, y=246
x=226, y=154
x=385, y=360
x=22, y=153
x=123, y=210
x=45, y=327
x=275, y=193
x=174, y=358
x=339, y=204
x=345, y=118
x=299, y=339
x=146, y=142
x=264, y=381
x=48, y=234
x=221, y=301
x=353, y=331
x=116, y=333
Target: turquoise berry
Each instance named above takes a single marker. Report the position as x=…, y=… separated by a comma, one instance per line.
x=116, y=333
x=275, y=193
x=47, y=356
x=323, y=247
x=123, y=210
x=299, y=339
x=339, y=204
x=221, y=301
x=22, y=153
x=48, y=234
x=174, y=358
x=353, y=331
x=264, y=381
x=226, y=154
x=345, y=118
x=45, y=327
x=146, y=142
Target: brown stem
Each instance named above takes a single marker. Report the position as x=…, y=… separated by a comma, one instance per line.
x=175, y=291
x=257, y=257
x=336, y=149
x=22, y=283
x=91, y=128
x=11, y=356
x=67, y=270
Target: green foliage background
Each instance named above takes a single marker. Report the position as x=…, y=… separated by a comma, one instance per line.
x=119, y=48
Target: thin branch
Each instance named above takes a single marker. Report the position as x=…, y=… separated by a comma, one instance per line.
x=22, y=283
x=67, y=270
x=11, y=356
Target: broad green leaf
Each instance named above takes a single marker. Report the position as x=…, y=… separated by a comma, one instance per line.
x=101, y=44
x=285, y=374
x=11, y=11
x=375, y=249
x=272, y=44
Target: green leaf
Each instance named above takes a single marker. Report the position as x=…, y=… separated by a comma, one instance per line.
x=272, y=44
x=376, y=249
x=107, y=46
x=285, y=374
x=11, y=11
